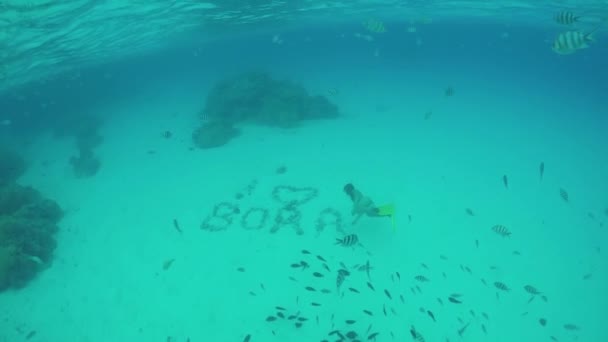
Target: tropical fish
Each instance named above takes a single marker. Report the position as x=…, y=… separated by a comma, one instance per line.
x=566, y=18
x=348, y=240
x=532, y=290
x=388, y=294
x=564, y=195
x=501, y=286
x=374, y=25
x=449, y=91
x=416, y=335
x=421, y=278
x=501, y=230
x=569, y=42
x=571, y=327
x=342, y=274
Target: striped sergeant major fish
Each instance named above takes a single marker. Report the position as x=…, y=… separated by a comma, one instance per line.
x=571, y=41
x=566, y=18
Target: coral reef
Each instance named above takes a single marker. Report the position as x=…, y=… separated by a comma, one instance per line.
x=11, y=166
x=214, y=134
x=86, y=164
x=258, y=98
x=28, y=223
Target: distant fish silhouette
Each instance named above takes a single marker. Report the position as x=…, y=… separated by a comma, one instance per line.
x=541, y=170
x=505, y=181
x=564, y=195
x=449, y=91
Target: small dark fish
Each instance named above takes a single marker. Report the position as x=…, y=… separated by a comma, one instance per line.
x=367, y=312
x=505, y=181
x=541, y=170
x=416, y=335
x=428, y=115
x=564, y=195
x=326, y=268
x=483, y=328
x=476, y=243
x=302, y=319
x=440, y=301
x=321, y=258
x=352, y=289
x=371, y=287
x=315, y=304
x=372, y=336
x=469, y=212
x=431, y=315
x=280, y=314
x=402, y=299
x=247, y=338
x=304, y=251
x=251, y=293
x=318, y=275
x=571, y=327
x=531, y=290
x=485, y=315
x=463, y=329
x=280, y=308
x=310, y=288
x=384, y=309
x=455, y=300
x=295, y=265
x=421, y=278
x=271, y=319
x=398, y=276
x=424, y=266
x=292, y=279
x=449, y=91
x=350, y=321
x=542, y=322
x=443, y=257
x=587, y=276
x=325, y=291
x=304, y=264
x=30, y=334
x=176, y=226
x=388, y=294
x=501, y=230
x=351, y=335
x=501, y=286
x=298, y=324
x=167, y=264
x=241, y=269
x=348, y=240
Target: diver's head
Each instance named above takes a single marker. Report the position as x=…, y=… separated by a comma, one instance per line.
x=350, y=190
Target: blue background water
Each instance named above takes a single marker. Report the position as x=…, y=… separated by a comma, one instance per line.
x=516, y=104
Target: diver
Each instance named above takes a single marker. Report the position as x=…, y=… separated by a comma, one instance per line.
x=363, y=205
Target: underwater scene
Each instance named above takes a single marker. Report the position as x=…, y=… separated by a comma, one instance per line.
x=303, y=170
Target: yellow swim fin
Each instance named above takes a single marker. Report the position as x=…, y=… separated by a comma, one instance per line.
x=388, y=210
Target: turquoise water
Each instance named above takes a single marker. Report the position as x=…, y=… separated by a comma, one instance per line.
x=489, y=145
